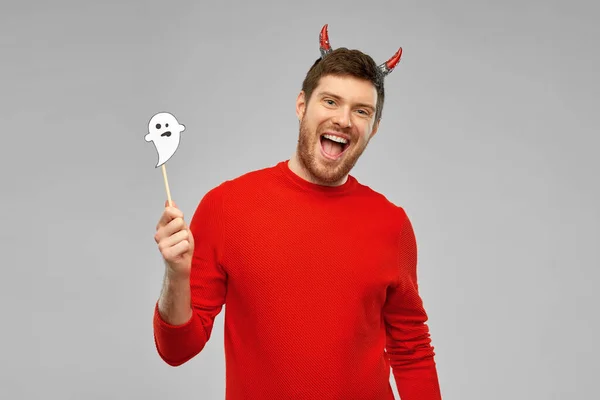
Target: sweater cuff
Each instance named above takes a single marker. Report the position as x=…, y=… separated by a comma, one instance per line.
x=176, y=344
x=168, y=328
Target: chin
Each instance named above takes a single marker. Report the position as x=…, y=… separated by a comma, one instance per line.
x=329, y=172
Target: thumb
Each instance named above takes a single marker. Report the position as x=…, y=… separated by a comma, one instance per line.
x=172, y=202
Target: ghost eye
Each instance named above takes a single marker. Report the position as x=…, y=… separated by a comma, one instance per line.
x=167, y=125
x=157, y=126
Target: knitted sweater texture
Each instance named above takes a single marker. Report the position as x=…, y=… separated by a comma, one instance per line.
x=319, y=286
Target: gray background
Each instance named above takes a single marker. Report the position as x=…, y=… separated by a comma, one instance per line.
x=489, y=141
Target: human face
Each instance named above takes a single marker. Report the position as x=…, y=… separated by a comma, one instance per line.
x=340, y=106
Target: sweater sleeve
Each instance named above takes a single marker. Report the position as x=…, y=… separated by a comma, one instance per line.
x=408, y=342
x=177, y=344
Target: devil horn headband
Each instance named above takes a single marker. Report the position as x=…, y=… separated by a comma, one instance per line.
x=386, y=68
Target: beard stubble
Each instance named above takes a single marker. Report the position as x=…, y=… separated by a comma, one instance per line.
x=322, y=171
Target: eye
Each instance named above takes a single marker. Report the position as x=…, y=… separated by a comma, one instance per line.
x=166, y=125
x=157, y=126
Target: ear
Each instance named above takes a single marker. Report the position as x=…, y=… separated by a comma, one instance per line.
x=300, y=105
x=375, y=128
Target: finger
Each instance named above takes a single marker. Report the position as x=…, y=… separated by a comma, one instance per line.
x=169, y=214
x=176, y=250
x=172, y=240
x=176, y=225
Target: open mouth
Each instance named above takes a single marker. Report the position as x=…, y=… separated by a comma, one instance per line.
x=167, y=134
x=333, y=146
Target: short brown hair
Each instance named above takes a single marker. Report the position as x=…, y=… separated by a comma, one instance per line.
x=345, y=62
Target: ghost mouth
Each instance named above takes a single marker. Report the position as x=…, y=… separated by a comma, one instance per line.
x=333, y=146
x=167, y=134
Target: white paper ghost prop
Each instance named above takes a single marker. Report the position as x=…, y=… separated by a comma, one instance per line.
x=165, y=132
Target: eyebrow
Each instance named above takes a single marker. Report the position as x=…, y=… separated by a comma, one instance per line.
x=335, y=96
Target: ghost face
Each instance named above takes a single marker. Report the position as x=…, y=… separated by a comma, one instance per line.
x=165, y=132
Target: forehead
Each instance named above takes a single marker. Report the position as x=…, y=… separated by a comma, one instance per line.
x=348, y=88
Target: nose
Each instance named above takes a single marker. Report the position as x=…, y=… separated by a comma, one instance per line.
x=343, y=118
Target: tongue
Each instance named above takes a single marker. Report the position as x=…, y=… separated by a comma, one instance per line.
x=332, y=148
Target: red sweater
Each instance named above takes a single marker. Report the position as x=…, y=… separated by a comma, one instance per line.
x=320, y=290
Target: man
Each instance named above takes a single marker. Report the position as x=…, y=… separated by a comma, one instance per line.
x=317, y=271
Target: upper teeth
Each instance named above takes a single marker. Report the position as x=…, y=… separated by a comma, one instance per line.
x=336, y=139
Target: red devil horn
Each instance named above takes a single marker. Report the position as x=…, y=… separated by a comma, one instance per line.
x=324, y=45
x=388, y=66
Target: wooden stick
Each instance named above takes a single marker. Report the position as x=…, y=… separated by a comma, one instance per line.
x=164, y=171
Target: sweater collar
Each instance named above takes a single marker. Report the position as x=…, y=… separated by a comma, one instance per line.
x=345, y=188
